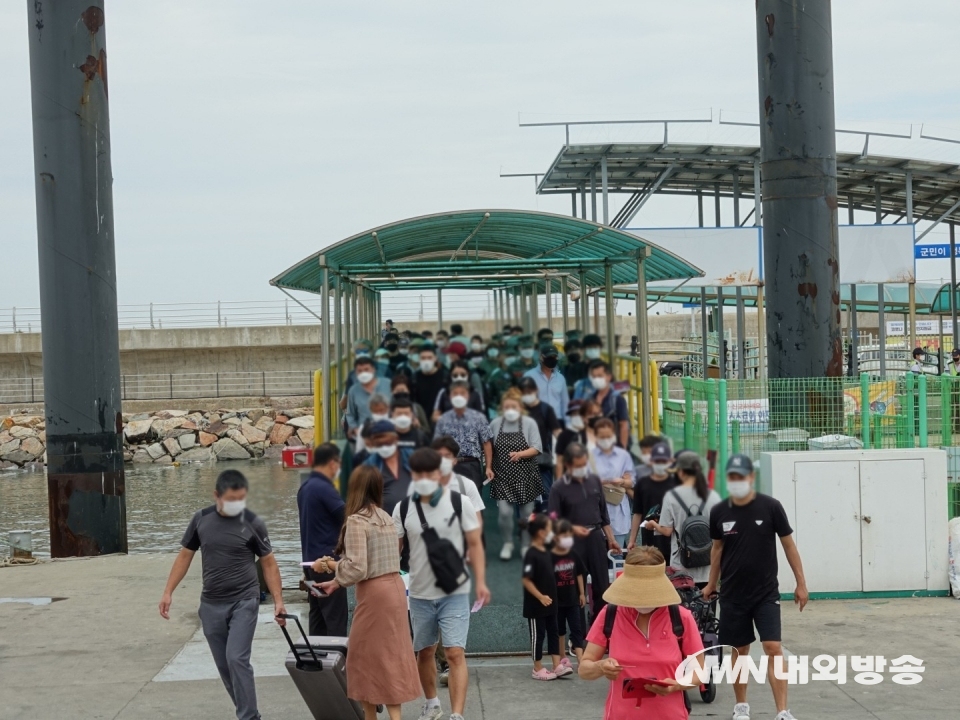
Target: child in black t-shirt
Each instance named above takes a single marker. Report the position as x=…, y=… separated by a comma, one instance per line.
x=540, y=598
x=570, y=574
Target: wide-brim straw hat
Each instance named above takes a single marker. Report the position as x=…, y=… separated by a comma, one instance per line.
x=642, y=586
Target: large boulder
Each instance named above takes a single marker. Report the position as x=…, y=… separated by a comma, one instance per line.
x=161, y=427
x=197, y=454
x=167, y=414
x=5, y=437
x=252, y=434
x=18, y=456
x=265, y=424
x=32, y=446
x=237, y=437
x=156, y=451
x=164, y=460
x=6, y=423
x=19, y=431
x=304, y=421
x=187, y=441
x=176, y=432
x=142, y=456
x=218, y=428
x=232, y=421
x=27, y=420
x=207, y=439
x=138, y=431
x=9, y=446
x=255, y=415
x=280, y=434
x=172, y=446
x=306, y=436
x=227, y=449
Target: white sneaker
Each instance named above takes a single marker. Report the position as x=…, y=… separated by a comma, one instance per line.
x=785, y=715
x=741, y=711
x=507, y=552
x=431, y=713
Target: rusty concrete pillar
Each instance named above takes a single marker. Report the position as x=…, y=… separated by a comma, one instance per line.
x=78, y=278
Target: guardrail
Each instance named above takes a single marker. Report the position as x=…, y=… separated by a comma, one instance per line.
x=180, y=386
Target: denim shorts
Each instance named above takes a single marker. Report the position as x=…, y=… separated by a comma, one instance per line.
x=449, y=616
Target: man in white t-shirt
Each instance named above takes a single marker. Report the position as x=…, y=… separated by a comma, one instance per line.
x=433, y=611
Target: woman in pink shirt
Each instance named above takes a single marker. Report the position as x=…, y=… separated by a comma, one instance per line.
x=642, y=643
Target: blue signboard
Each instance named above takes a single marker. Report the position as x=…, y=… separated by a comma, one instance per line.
x=932, y=252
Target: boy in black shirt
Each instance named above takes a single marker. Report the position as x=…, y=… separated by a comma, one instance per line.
x=571, y=575
x=540, y=598
x=648, y=497
x=744, y=561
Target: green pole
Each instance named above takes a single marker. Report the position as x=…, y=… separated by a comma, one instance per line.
x=922, y=405
x=865, y=409
x=877, y=432
x=687, y=414
x=723, y=439
x=911, y=382
x=735, y=436
x=946, y=431
x=711, y=415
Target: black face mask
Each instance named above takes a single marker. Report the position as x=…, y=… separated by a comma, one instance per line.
x=392, y=347
x=550, y=361
x=573, y=357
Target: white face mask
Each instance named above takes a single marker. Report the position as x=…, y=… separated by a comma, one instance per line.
x=492, y=352
x=428, y=365
x=511, y=415
x=739, y=488
x=660, y=468
x=548, y=538
x=576, y=422
x=645, y=458
x=606, y=443
x=446, y=466
x=645, y=610
x=476, y=347
x=579, y=472
x=592, y=353
x=364, y=377
x=413, y=358
x=441, y=343
x=377, y=417
x=403, y=422
x=459, y=378
x=526, y=353
x=458, y=401
x=565, y=543
x=425, y=487
x=529, y=399
x=232, y=508
x=599, y=383
x=386, y=451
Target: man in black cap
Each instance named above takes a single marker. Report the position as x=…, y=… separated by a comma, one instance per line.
x=592, y=350
x=648, y=497
x=743, y=561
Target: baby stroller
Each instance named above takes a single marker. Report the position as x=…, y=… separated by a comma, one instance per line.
x=705, y=615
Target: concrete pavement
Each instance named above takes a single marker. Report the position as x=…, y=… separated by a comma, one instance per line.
x=104, y=652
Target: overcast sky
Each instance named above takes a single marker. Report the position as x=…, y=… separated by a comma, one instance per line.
x=247, y=135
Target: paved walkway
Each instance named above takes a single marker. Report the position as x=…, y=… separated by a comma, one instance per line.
x=104, y=652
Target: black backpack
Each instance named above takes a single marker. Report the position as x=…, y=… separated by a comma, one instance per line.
x=693, y=537
x=675, y=620
x=445, y=561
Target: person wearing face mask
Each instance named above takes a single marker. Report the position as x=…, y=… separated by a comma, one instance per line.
x=571, y=577
x=452, y=519
x=472, y=433
x=391, y=343
x=411, y=359
x=551, y=386
x=321, y=516
x=400, y=386
x=574, y=369
x=361, y=348
x=392, y=461
x=442, y=342
x=402, y=417
x=230, y=538
x=648, y=500
x=449, y=450
x=646, y=443
x=429, y=380
x=743, y=561
x=578, y=497
x=526, y=360
x=540, y=598
x=581, y=416
x=517, y=483
x=614, y=466
x=496, y=379
x=358, y=396
x=612, y=404
x=549, y=427
x=592, y=350
x=647, y=634
x=379, y=410
x=460, y=372
x=456, y=334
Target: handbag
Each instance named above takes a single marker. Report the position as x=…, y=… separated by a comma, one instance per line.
x=613, y=494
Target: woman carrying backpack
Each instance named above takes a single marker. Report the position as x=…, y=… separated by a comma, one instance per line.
x=646, y=635
x=685, y=519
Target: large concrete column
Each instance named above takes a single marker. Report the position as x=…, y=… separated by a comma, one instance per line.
x=799, y=188
x=78, y=277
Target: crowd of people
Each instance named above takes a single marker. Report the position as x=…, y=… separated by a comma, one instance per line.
x=440, y=427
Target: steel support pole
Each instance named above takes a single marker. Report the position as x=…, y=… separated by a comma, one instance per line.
x=757, y=199
x=704, y=331
x=854, y=334
x=761, y=335
x=338, y=338
x=596, y=314
x=721, y=355
x=700, y=207
x=439, y=309
x=716, y=203
x=582, y=319
x=324, y=434
x=348, y=324
x=548, y=297
x=849, y=209
x=78, y=278
x=741, y=339
x=799, y=189
x=534, y=308
x=909, y=193
x=565, y=295
x=881, y=331
x=593, y=195
x=583, y=202
x=912, y=316
x=610, y=313
x=953, y=284
x=604, y=186
x=643, y=342
x=573, y=204
x=736, y=197
x=518, y=315
x=878, y=219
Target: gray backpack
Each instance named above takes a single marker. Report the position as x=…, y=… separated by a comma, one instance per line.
x=693, y=536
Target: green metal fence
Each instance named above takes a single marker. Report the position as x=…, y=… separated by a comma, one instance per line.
x=719, y=417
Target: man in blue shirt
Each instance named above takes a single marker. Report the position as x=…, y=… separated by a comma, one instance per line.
x=551, y=385
x=321, y=517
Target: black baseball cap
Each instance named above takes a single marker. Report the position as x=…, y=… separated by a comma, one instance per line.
x=661, y=453
x=955, y=352
x=739, y=465
x=548, y=349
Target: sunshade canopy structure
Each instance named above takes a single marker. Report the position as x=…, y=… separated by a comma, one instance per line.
x=485, y=249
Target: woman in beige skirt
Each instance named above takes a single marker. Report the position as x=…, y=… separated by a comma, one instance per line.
x=381, y=669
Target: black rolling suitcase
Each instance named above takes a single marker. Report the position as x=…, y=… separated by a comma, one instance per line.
x=318, y=669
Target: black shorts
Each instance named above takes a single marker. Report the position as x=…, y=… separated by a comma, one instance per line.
x=737, y=621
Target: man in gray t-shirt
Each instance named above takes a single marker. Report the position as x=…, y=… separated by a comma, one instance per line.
x=229, y=538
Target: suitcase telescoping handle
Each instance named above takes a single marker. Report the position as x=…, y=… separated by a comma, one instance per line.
x=301, y=663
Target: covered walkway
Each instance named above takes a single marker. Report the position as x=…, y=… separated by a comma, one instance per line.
x=515, y=254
